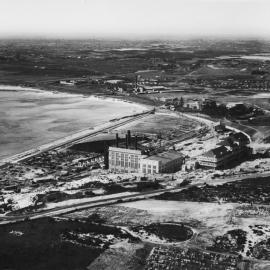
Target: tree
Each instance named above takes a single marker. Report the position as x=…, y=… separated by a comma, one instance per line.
x=181, y=102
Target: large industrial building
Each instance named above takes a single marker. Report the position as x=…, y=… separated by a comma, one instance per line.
x=125, y=158
x=129, y=158
x=166, y=162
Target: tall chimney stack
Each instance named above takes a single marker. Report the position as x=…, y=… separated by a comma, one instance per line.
x=117, y=140
x=129, y=137
x=126, y=141
x=136, y=142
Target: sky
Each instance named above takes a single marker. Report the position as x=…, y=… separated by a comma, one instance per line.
x=134, y=18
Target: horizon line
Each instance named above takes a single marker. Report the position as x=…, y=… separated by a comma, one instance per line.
x=137, y=37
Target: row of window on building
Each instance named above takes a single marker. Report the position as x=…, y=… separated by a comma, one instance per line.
x=130, y=160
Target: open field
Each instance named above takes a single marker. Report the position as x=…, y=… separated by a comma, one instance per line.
x=221, y=228
x=197, y=215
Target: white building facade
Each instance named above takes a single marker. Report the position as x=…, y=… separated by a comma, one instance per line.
x=166, y=162
x=124, y=160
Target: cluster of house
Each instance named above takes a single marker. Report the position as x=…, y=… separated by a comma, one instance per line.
x=132, y=159
x=233, y=148
x=193, y=104
x=148, y=81
x=254, y=84
x=190, y=259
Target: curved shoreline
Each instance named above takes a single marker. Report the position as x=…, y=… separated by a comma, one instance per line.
x=18, y=88
x=134, y=108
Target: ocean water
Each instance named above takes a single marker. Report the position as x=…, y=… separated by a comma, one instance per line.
x=30, y=118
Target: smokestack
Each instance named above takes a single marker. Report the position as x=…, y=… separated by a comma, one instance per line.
x=106, y=155
x=129, y=137
x=126, y=141
x=117, y=139
x=136, y=142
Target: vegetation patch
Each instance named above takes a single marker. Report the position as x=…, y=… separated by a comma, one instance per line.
x=233, y=241
x=255, y=190
x=55, y=244
x=171, y=232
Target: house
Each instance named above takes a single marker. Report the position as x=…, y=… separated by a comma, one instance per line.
x=220, y=128
x=68, y=82
x=193, y=105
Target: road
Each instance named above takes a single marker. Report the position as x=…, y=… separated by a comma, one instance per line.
x=135, y=196
x=85, y=205
x=78, y=137
x=107, y=201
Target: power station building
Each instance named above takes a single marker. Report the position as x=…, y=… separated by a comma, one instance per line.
x=125, y=158
x=132, y=159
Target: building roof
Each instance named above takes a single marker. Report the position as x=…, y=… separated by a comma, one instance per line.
x=228, y=142
x=166, y=156
x=156, y=87
x=230, y=105
x=239, y=136
x=125, y=150
x=149, y=73
x=218, y=152
x=113, y=81
x=235, y=140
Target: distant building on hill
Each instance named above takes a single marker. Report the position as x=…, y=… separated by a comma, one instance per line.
x=150, y=77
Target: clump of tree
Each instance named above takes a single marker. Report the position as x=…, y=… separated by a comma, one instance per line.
x=239, y=111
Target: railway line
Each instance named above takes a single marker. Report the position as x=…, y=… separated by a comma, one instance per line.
x=83, y=205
